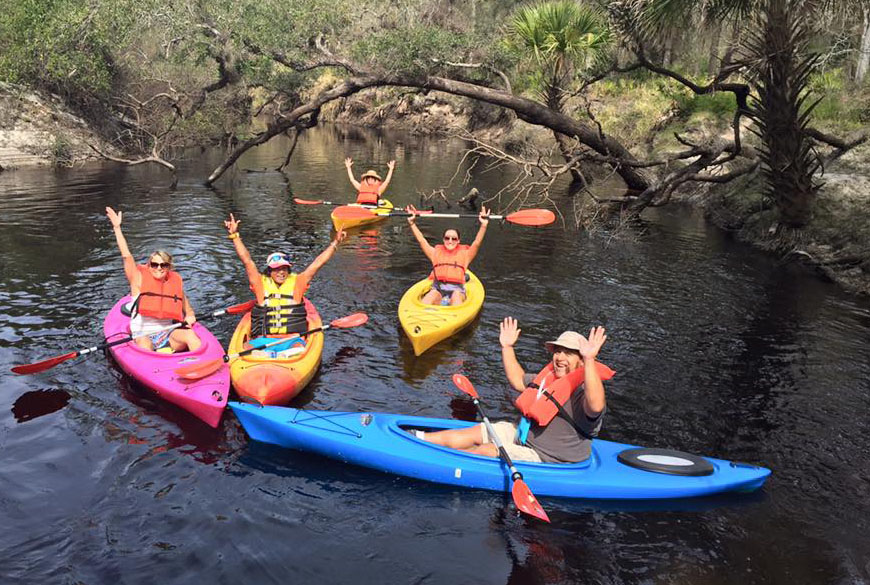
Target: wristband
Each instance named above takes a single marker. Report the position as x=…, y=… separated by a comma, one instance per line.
x=233, y=235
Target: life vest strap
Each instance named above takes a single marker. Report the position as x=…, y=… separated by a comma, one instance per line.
x=564, y=413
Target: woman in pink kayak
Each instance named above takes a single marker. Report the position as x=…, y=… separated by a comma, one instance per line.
x=158, y=298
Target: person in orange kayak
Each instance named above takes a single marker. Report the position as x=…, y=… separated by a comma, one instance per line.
x=369, y=188
x=159, y=299
x=552, y=430
x=280, y=308
x=449, y=260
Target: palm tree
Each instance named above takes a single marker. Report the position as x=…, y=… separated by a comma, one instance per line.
x=778, y=74
x=563, y=39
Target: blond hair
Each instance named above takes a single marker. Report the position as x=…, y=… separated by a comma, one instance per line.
x=165, y=256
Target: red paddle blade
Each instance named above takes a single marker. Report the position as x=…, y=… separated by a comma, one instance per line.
x=531, y=217
x=349, y=212
x=465, y=385
x=350, y=321
x=526, y=501
x=44, y=364
x=306, y=201
x=200, y=370
x=242, y=308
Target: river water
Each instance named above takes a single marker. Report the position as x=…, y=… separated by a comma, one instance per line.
x=719, y=350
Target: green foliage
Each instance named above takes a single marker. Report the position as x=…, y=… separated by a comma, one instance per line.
x=410, y=50
x=64, y=46
x=61, y=151
x=560, y=39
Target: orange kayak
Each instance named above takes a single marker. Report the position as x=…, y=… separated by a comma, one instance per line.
x=274, y=380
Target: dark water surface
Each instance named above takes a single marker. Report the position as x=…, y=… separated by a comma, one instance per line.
x=719, y=351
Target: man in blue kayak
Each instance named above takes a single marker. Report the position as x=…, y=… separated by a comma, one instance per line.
x=562, y=406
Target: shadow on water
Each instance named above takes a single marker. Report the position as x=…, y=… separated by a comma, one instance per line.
x=36, y=403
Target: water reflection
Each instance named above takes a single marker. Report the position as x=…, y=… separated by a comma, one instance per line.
x=718, y=351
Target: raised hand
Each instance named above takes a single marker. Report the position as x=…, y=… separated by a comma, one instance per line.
x=391, y=165
x=114, y=217
x=589, y=347
x=348, y=162
x=484, y=215
x=232, y=224
x=508, y=333
x=339, y=237
x=413, y=211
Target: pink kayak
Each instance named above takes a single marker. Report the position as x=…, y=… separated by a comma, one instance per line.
x=206, y=398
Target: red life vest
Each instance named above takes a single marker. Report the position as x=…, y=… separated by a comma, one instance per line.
x=368, y=194
x=536, y=406
x=450, y=266
x=161, y=299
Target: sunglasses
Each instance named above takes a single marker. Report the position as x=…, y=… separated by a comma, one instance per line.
x=451, y=238
x=163, y=265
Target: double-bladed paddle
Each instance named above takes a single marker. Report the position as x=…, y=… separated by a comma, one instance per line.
x=201, y=370
x=524, y=499
x=322, y=202
x=526, y=217
x=51, y=362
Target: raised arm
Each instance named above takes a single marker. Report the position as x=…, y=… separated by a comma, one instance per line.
x=348, y=162
x=232, y=225
x=428, y=249
x=508, y=334
x=303, y=279
x=390, y=166
x=593, y=398
x=483, y=218
x=130, y=270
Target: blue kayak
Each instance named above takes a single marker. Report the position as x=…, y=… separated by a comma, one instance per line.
x=382, y=441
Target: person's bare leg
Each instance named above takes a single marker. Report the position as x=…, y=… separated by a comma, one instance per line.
x=466, y=438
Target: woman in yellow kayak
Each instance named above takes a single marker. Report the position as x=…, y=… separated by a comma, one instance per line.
x=369, y=188
x=449, y=260
x=280, y=309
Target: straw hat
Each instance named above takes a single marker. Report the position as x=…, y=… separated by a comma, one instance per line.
x=370, y=173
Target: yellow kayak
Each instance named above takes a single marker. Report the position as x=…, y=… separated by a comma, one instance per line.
x=274, y=380
x=426, y=325
x=379, y=213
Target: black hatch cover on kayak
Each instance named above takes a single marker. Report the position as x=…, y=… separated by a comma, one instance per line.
x=666, y=461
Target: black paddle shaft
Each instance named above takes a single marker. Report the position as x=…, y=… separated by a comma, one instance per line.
x=515, y=475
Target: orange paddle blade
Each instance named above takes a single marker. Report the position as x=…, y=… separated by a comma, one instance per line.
x=465, y=385
x=241, y=308
x=200, y=370
x=350, y=212
x=350, y=321
x=306, y=201
x=531, y=217
x=44, y=364
x=526, y=501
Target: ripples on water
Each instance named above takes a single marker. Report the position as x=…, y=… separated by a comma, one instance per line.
x=719, y=350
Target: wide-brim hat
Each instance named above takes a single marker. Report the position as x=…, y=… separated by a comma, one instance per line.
x=370, y=173
x=568, y=340
x=277, y=260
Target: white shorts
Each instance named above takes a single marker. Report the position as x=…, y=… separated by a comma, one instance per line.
x=148, y=325
x=507, y=433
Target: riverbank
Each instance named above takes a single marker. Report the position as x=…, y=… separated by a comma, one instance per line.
x=38, y=130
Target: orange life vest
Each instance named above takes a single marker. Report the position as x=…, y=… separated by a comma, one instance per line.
x=368, y=194
x=161, y=299
x=450, y=266
x=535, y=405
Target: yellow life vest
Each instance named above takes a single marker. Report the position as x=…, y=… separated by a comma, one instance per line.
x=278, y=315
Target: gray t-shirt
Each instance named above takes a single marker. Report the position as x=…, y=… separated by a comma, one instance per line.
x=559, y=441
